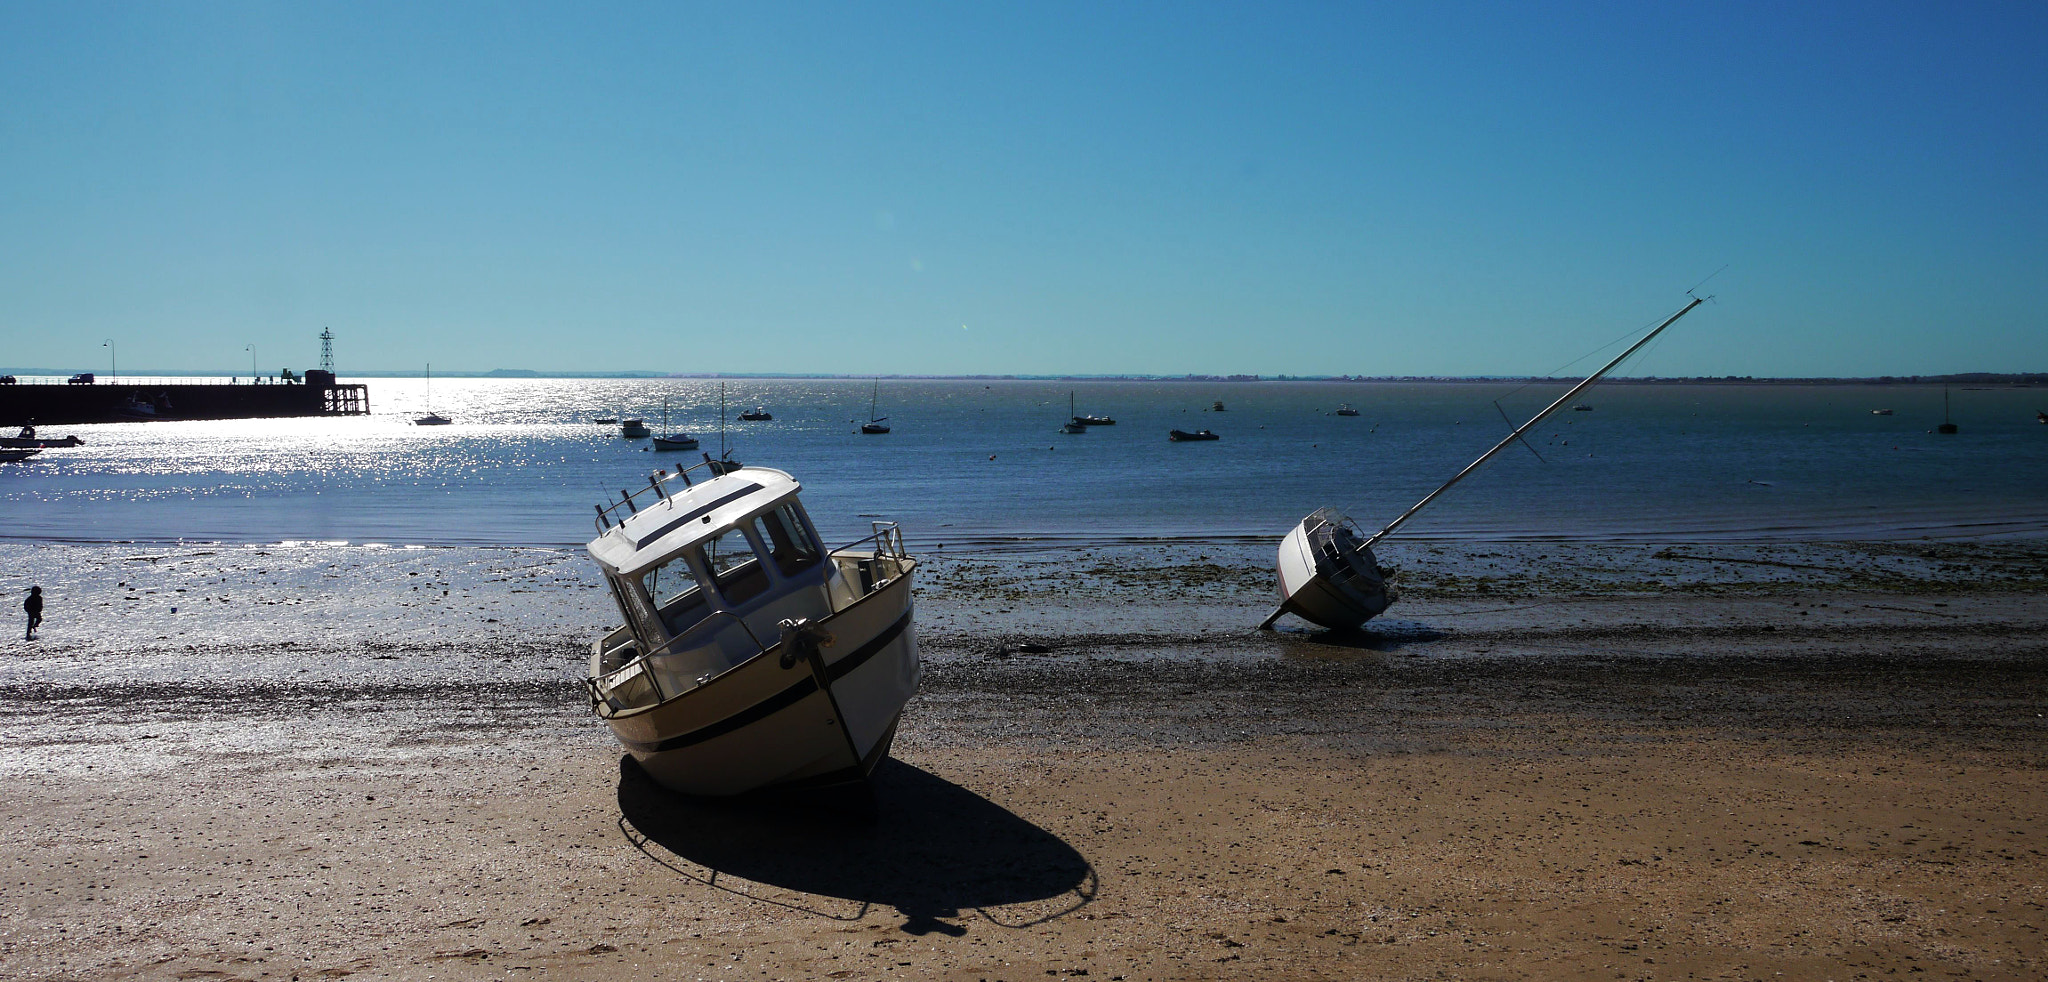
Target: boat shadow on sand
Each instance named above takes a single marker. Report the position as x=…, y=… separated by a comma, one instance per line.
x=1384, y=637
x=912, y=841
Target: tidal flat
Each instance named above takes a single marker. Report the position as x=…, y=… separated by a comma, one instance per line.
x=1655, y=760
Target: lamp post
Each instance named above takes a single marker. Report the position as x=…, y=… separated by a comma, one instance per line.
x=113, y=368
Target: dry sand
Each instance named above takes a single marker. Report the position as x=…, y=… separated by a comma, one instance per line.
x=1629, y=785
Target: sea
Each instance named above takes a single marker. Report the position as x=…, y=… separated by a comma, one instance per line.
x=981, y=464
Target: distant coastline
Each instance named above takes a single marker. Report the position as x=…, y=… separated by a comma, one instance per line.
x=2009, y=379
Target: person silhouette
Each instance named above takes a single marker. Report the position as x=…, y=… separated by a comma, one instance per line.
x=34, y=606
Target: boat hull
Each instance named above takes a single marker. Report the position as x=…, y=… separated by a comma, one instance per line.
x=765, y=724
x=1331, y=581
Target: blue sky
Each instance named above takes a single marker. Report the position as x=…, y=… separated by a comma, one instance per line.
x=1034, y=188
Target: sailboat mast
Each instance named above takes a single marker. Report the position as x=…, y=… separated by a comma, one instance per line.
x=1538, y=418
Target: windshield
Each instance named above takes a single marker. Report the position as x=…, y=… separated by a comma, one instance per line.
x=732, y=563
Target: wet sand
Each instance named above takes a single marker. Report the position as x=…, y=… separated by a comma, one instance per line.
x=1826, y=776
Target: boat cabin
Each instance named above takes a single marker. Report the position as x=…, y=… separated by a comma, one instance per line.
x=705, y=573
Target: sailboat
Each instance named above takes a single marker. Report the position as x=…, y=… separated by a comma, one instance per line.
x=724, y=464
x=1074, y=424
x=875, y=423
x=665, y=440
x=1327, y=572
x=431, y=418
x=1947, y=427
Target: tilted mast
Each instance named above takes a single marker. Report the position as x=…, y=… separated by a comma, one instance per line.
x=1538, y=418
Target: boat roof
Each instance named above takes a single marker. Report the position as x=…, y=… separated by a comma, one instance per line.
x=689, y=515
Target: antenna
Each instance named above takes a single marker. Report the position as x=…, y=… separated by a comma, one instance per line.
x=327, y=350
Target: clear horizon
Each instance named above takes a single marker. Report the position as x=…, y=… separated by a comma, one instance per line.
x=1304, y=189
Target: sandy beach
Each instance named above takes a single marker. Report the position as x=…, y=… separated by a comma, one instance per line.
x=1634, y=762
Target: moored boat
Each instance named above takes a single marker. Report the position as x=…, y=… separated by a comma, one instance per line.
x=1346, y=410
x=666, y=440
x=13, y=454
x=1074, y=424
x=1183, y=436
x=875, y=424
x=750, y=657
x=634, y=429
x=757, y=415
x=432, y=418
x=28, y=440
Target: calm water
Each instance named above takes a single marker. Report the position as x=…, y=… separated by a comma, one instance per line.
x=973, y=462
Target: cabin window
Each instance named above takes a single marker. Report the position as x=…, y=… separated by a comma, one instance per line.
x=676, y=594
x=639, y=613
x=732, y=562
x=788, y=543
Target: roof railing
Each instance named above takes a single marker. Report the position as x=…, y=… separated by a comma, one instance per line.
x=607, y=514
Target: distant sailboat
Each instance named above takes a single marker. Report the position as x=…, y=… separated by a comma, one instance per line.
x=431, y=418
x=724, y=464
x=665, y=440
x=1947, y=426
x=1073, y=424
x=875, y=423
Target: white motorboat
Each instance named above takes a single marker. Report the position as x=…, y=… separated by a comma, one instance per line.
x=1326, y=571
x=750, y=657
x=634, y=429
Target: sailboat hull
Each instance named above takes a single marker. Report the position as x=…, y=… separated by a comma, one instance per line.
x=1327, y=576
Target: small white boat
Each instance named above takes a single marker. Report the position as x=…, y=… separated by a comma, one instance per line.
x=1346, y=410
x=1880, y=412
x=1326, y=571
x=750, y=657
x=634, y=429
